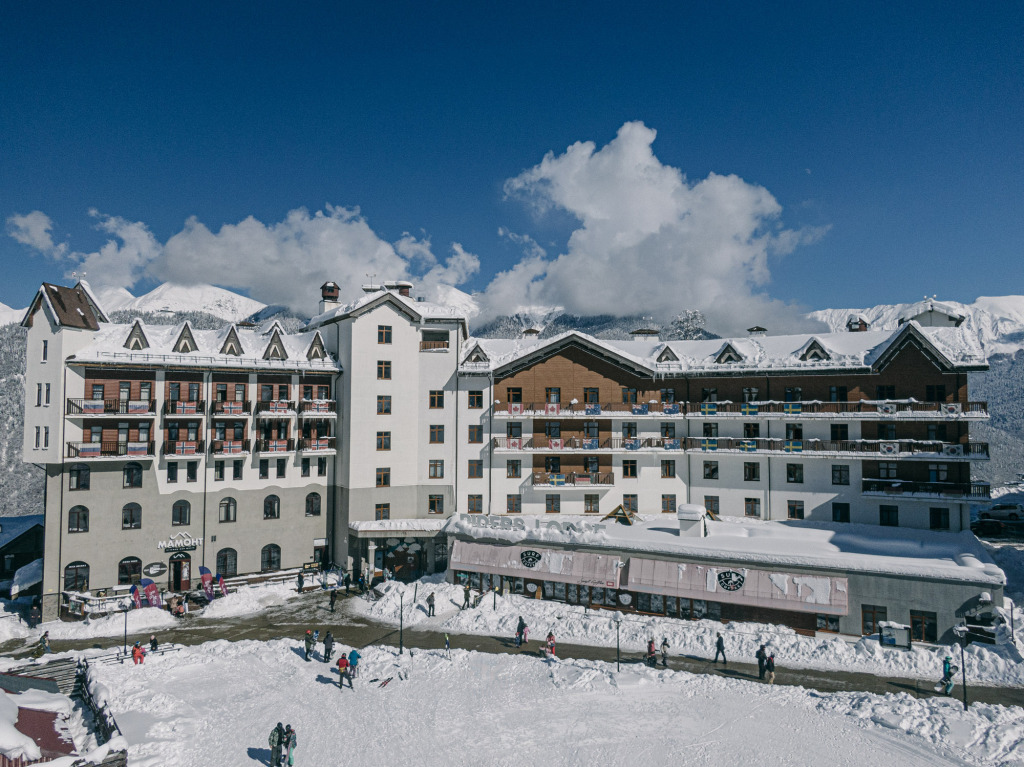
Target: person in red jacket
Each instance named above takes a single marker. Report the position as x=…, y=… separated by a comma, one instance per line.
x=138, y=654
x=551, y=644
x=343, y=671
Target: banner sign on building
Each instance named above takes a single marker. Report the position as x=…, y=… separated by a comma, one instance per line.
x=207, y=578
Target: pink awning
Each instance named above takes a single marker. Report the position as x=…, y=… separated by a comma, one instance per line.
x=583, y=568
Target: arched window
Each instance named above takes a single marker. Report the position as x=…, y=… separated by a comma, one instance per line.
x=78, y=477
x=270, y=557
x=313, y=505
x=227, y=563
x=129, y=571
x=78, y=520
x=131, y=516
x=181, y=513
x=76, y=577
x=272, y=508
x=132, y=476
x=228, y=510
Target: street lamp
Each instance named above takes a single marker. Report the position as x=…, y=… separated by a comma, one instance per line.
x=401, y=616
x=618, y=622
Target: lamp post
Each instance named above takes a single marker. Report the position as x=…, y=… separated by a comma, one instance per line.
x=618, y=622
x=401, y=621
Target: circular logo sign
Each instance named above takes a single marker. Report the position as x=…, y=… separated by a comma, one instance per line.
x=730, y=580
x=625, y=598
x=529, y=558
x=155, y=569
x=531, y=587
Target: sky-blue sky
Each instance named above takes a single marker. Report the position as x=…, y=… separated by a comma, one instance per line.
x=889, y=134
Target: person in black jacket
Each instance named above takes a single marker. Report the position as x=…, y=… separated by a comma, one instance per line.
x=720, y=649
x=762, y=659
x=334, y=597
x=328, y=647
x=769, y=668
x=152, y=643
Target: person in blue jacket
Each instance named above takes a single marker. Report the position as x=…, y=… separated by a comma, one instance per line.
x=353, y=660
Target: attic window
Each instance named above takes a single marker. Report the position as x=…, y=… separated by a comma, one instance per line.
x=136, y=340
x=815, y=353
x=477, y=355
x=231, y=345
x=275, y=349
x=185, y=343
x=729, y=354
x=316, y=349
x=667, y=356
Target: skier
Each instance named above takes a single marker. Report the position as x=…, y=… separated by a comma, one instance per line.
x=945, y=685
x=762, y=659
x=720, y=649
x=343, y=672
x=551, y=645
x=520, y=631
x=138, y=654
x=334, y=597
x=152, y=643
x=276, y=738
x=289, y=743
x=769, y=668
x=664, y=652
x=652, y=653
x=353, y=663
x=468, y=593
x=430, y=605
x=308, y=642
x=302, y=582
x=328, y=647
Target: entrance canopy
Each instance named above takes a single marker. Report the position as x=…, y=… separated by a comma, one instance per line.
x=583, y=568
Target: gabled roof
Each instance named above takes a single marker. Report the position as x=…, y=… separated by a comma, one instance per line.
x=69, y=307
x=316, y=349
x=814, y=350
x=232, y=346
x=12, y=528
x=728, y=353
x=136, y=340
x=418, y=311
x=275, y=348
x=186, y=343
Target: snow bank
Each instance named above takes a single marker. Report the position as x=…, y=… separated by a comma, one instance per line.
x=26, y=577
x=249, y=600
x=144, y=619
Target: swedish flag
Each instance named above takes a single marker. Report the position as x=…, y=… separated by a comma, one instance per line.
x=748, y=446
x=709, y=444
x=748, y=409
x=793, y=408
x=709, y=408
x=793, y=446
x=557, y=479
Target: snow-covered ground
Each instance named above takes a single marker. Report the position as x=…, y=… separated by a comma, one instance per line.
x=216, y=703
x=574, y=624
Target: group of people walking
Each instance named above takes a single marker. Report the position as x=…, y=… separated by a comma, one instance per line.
x=282, y=745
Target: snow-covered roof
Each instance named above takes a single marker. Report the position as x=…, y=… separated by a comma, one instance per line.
x=846, y=351
x=418, y=309
x=389, y=527
x=929, y=305
x=14, y=527
x=829, y=546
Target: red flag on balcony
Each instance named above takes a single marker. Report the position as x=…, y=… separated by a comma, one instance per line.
x=515, y=408
x=552, y=408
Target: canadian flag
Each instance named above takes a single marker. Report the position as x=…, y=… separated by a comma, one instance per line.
x=515, y=408
x=515, y=443
x=552, y=408
x=556, y=444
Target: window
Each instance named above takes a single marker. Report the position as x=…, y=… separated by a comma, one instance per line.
x=751, y=430
x=383, y=477
x=131, y=475
x=591, y=395
x=629, y=503
x=938, y=518
x=228, y=510
x=552, y=503
x=271, y=507
x=710, y=469
x=46, y=436
x=476, y=400
x=629, y=469
x=383, y=440
x=513, y=504
x=97, y=391
x=935, y=393
x=794, y=431
x=839, y=432
x=552, y=395
x=924, y=626
x=840, y=512
x=475, y=504
x=795, y=509
x=382, y=511
x=436, y=434
x=887, y=470
x=629, y=430
x=828, y=623
x=553, y=464
x=750, y=394
x=218, y=471
x=837, y=394
x=752, y=507
x=46, y=349
x=514, y=430
x=751, y=471
x=936, y=432
x=192, y=471
x=476, y=469
x=668, y=396
x=435, y=504
x=131, y=516
x=282, y=463
x=514, y=394
x=710, y=429
x=938, y=472
x=668, y=504
x=313, y=505
x=181, y=513
x=436, y=398
x=129, y=571
x=871, y=616
x=37, y=437
x=889, y=516
x=840, y=474
x=435, y=469
x=270, y=557
x=711, y=504
x=383, y=404
x=794, y=394
x=885, y=392
x=321, y=467
x=709, y=395
x=591, y=430
x=78, y=520
x=76, y=574
x=304, y=467
x=78, y=477
x=476, y=435
x=383, y=334
x=513, y=469
x=383, y=370
x=628, y=396
x=227, y=563
x=39, y=395
x=668, y=430
x=668, y=469
x=591, y=503
x=795, y=473
x=236, y=469
x=887, y=431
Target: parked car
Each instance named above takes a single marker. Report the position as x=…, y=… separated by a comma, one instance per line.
x=1011, y=511
x=988, y=528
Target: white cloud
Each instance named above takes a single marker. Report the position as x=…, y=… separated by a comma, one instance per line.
x=122, y=261
x=33, y=229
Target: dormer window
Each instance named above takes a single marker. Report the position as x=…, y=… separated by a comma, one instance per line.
x=728, y=354
x=815, y=352
x=185, y=343
x=136, y=340
x=477, y=355
x=275, y=349
x=667, y=356
x=232, y=346
x=316, y=349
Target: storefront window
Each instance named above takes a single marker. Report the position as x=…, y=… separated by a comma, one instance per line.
x=571, y=594
x=698, y=609
x=517, y=585
x=643, y=603
x=610, y=598
x=828, y=623
x=671, y=606
x=657, y=603
x=560, y=591
x=596, y=595
x=548, y=590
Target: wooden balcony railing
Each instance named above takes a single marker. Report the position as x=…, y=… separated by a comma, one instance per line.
x=101, y=407
x=275, y=408
x=860, y=409
x=184, y=447
x=229, y=446
x=110, y=449
x=426, y=346
x=318, y=407
x=231, y=408
x=275, y=445
x=973, y=490
x=315, y=444
x=573, y=478
x=185, y=407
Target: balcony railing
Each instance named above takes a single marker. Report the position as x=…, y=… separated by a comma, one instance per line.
x=101, y=407
x=972, y=490
x=185, y=407
x=573, y=479
x=275, y=408
x=859, y=409
x=229, y=446
x=184, y=447
x=317, y=444
x=110, y=449
x=323, y=408
x=275, y=445
x=231, y=407
x=426, y=346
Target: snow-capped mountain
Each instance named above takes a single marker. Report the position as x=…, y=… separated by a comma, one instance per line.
x=9, y=316
x=169, y=298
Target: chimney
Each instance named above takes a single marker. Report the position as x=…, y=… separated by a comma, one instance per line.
x=647, y=331
x=531, y=332
x=329, y=293
x=401, y=287
x=856, y=323
x=692, y=520
x=757, y=330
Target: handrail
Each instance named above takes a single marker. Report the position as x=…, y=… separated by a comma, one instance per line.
x=185, y=407
x=184, y=447
x=110, y=449
x=229, y=407
x=100, y=407
x=275, y=445
x=229, y=447
x=944, y=489
x=575, y=478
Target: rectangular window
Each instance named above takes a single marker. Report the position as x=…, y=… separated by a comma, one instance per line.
x=628, y=396
x=514, y=394
x=839, y=432
x=435, y=504
x=383, y=404
x=383, y=477
x=266, y=392
x=711, y=504
x=476, y=434
x=514, y=430
x=837, y=394
x=221, y=392
x=383, y=334
x=871, y=616
x=887, y=431
x=629, y=430
x=591, y=430
x=384, y=370
x=591, y=464
x=192, y=471
x=936, y=432
x=888, y=470
x=304, y=467
x=629, y=469
x=281, y=463
x=552, y=503
x=552, y=395
x=668, y=469
x=436, y=434
x=629, y=503
x=476, y=469
x=436, y=398
x=172, y=471
x=39, y=395
x=321, y=467
x=710, y=469
x=46, y=398
x=885, y=392
x=475, y=504
x=751, y=471
x=710, y=430
x=794, y=394
x=38, y=432
x=829, y=623
x=591, y=396
x=752, y=507
x=264, y=468
x=218, y=471
x=476, y=400
x=750, y=394
x=924, y=626
x=513, y=469
x=751, y=430
x=840, y=512
x=938, y=472
x=668, y=504
x=97, y=391
x=668, y=430
x=383, y=440
x=435, y=469
x=794, y=431
x=591, y=503
x=840, y=474
x=795, y=509
x=935, y=393
x=938, y=518
x=795, y=473
x=46, y=436
x=668, y=396
x=513, y=504
x=889, y=516
x=46, y=349
x=236, y=469
x=382, y=511
x=553, y=464
x=709, y=395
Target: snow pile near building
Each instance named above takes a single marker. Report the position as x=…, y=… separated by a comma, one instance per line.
x=249, y=600
x=144, y=619
x=26, y=577
x=69, y=726
x=11, y=624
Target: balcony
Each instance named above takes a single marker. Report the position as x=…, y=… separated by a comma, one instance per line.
x=275, y=408
x=572, y=479
x=974, y=491
x=229, y=447
x=231, y=408
x=84, y=408
x=185, y=407
x=317, y=445
x=87, y=450
x=186, y=447
x=318, y=408
x=430, y=346
x=868, y=449
x=275, y=445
